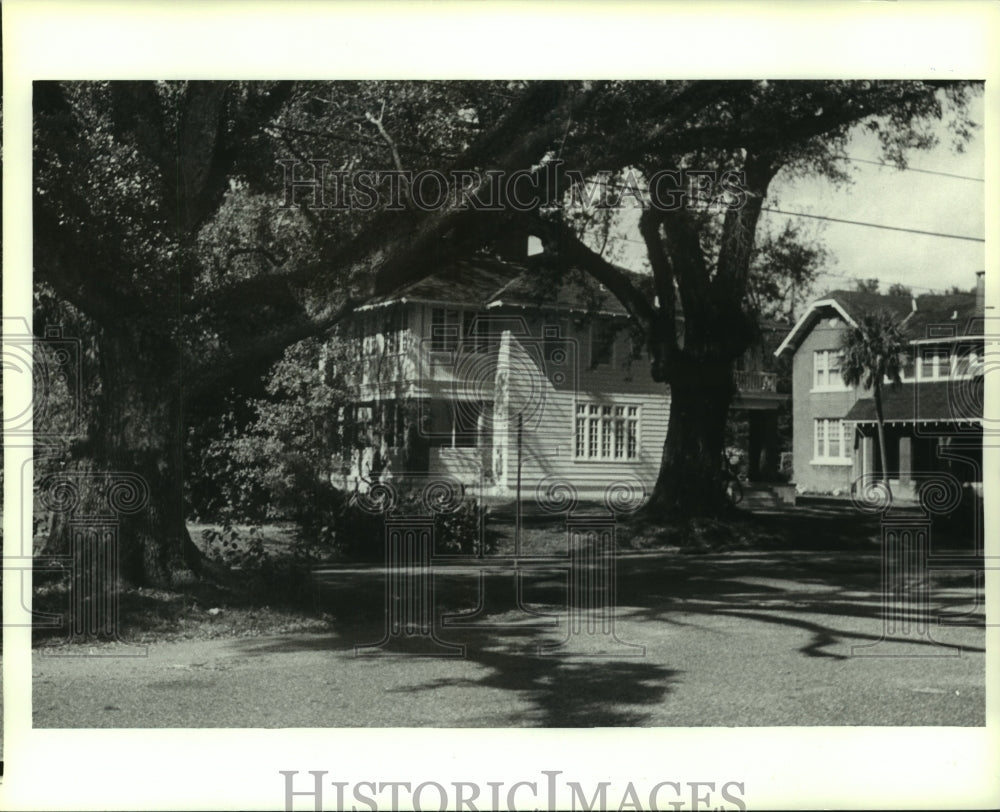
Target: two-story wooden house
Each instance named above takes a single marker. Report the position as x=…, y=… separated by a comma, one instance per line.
x=933, y=420
x=474, y=373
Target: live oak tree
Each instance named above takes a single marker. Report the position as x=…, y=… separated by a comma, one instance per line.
x=163, y=216
x=701, y=252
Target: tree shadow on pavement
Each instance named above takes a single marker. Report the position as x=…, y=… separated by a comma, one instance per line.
x=559, y=689
x=832, y=592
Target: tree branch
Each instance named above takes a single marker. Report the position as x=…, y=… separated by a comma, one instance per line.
x=401, y=247
x=572, y=253
x=274, y=260
x=834, y=112
x=67, y=264
x=739, y=227
x=263, y=351
x=663, y=278
x=396, y=160
x=683, y=248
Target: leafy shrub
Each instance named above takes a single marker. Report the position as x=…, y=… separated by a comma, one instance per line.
x=270, y=457
x=360, y=534
x=284, y=576
x=459, y=531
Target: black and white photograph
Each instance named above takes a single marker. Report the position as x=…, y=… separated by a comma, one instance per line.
x=589, y=438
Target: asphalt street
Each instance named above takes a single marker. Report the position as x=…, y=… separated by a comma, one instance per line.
x=729, y=640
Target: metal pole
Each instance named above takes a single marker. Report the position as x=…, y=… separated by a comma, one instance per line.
x=482, y=512
x=517, y=515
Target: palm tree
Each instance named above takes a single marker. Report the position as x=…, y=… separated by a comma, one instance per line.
x=873, y=351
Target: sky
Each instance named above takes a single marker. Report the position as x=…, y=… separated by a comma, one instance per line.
x=886, y=196
x=903, y=199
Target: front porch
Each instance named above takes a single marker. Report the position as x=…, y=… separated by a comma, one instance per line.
x=916, y=453
x=757, y=397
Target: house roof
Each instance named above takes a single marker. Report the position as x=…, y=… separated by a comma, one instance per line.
x=945, y=316
x=923, y=402
x=474, y=281
x=485, y=282
x=930, y=316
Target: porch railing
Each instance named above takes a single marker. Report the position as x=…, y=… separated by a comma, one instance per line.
x=755, y=381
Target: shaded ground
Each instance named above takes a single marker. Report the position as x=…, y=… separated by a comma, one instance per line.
x=739, y=638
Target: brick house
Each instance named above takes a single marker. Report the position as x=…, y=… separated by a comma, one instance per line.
x=933, y=421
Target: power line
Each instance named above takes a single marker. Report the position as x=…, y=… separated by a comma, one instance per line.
x=914, y=169
x=874, y=225
x=643, y=188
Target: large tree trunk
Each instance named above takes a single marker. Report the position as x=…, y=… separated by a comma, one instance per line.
x=130, y=469
x=689, y=483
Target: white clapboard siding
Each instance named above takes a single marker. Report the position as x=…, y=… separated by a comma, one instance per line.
x=529, y=378
x=548, y=400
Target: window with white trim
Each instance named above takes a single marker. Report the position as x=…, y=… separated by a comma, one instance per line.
x=934, y=364
x=445, y=325
x=968, y=362
x=831, y=439
x=906, y=367
x=602, y=342
x=826, y=371
x=607, y=431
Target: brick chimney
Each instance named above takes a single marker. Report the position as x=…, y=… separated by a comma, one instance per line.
x=981, y=290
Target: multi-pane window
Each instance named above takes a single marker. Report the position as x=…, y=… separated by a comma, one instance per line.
x=632, y=425
x=444, y=329
x=476, y=331
x=826, y=370
x=619, y=430
x=393, y=325
x=602, y=343
x=607, y=432
x=831, y=439
x=968, y=362
x=934, y=364
x=593, y=430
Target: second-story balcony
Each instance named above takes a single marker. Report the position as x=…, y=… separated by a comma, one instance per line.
x=752, y=381
x=757, y=390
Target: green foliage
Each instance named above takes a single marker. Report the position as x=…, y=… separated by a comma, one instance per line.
x=866, y=285
x=459, y=531
x=873, y=350
x=361, y=535
x=158, y=213
x=229, y=546
x=274, y=460
x=281, y=575
x=783, y=269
